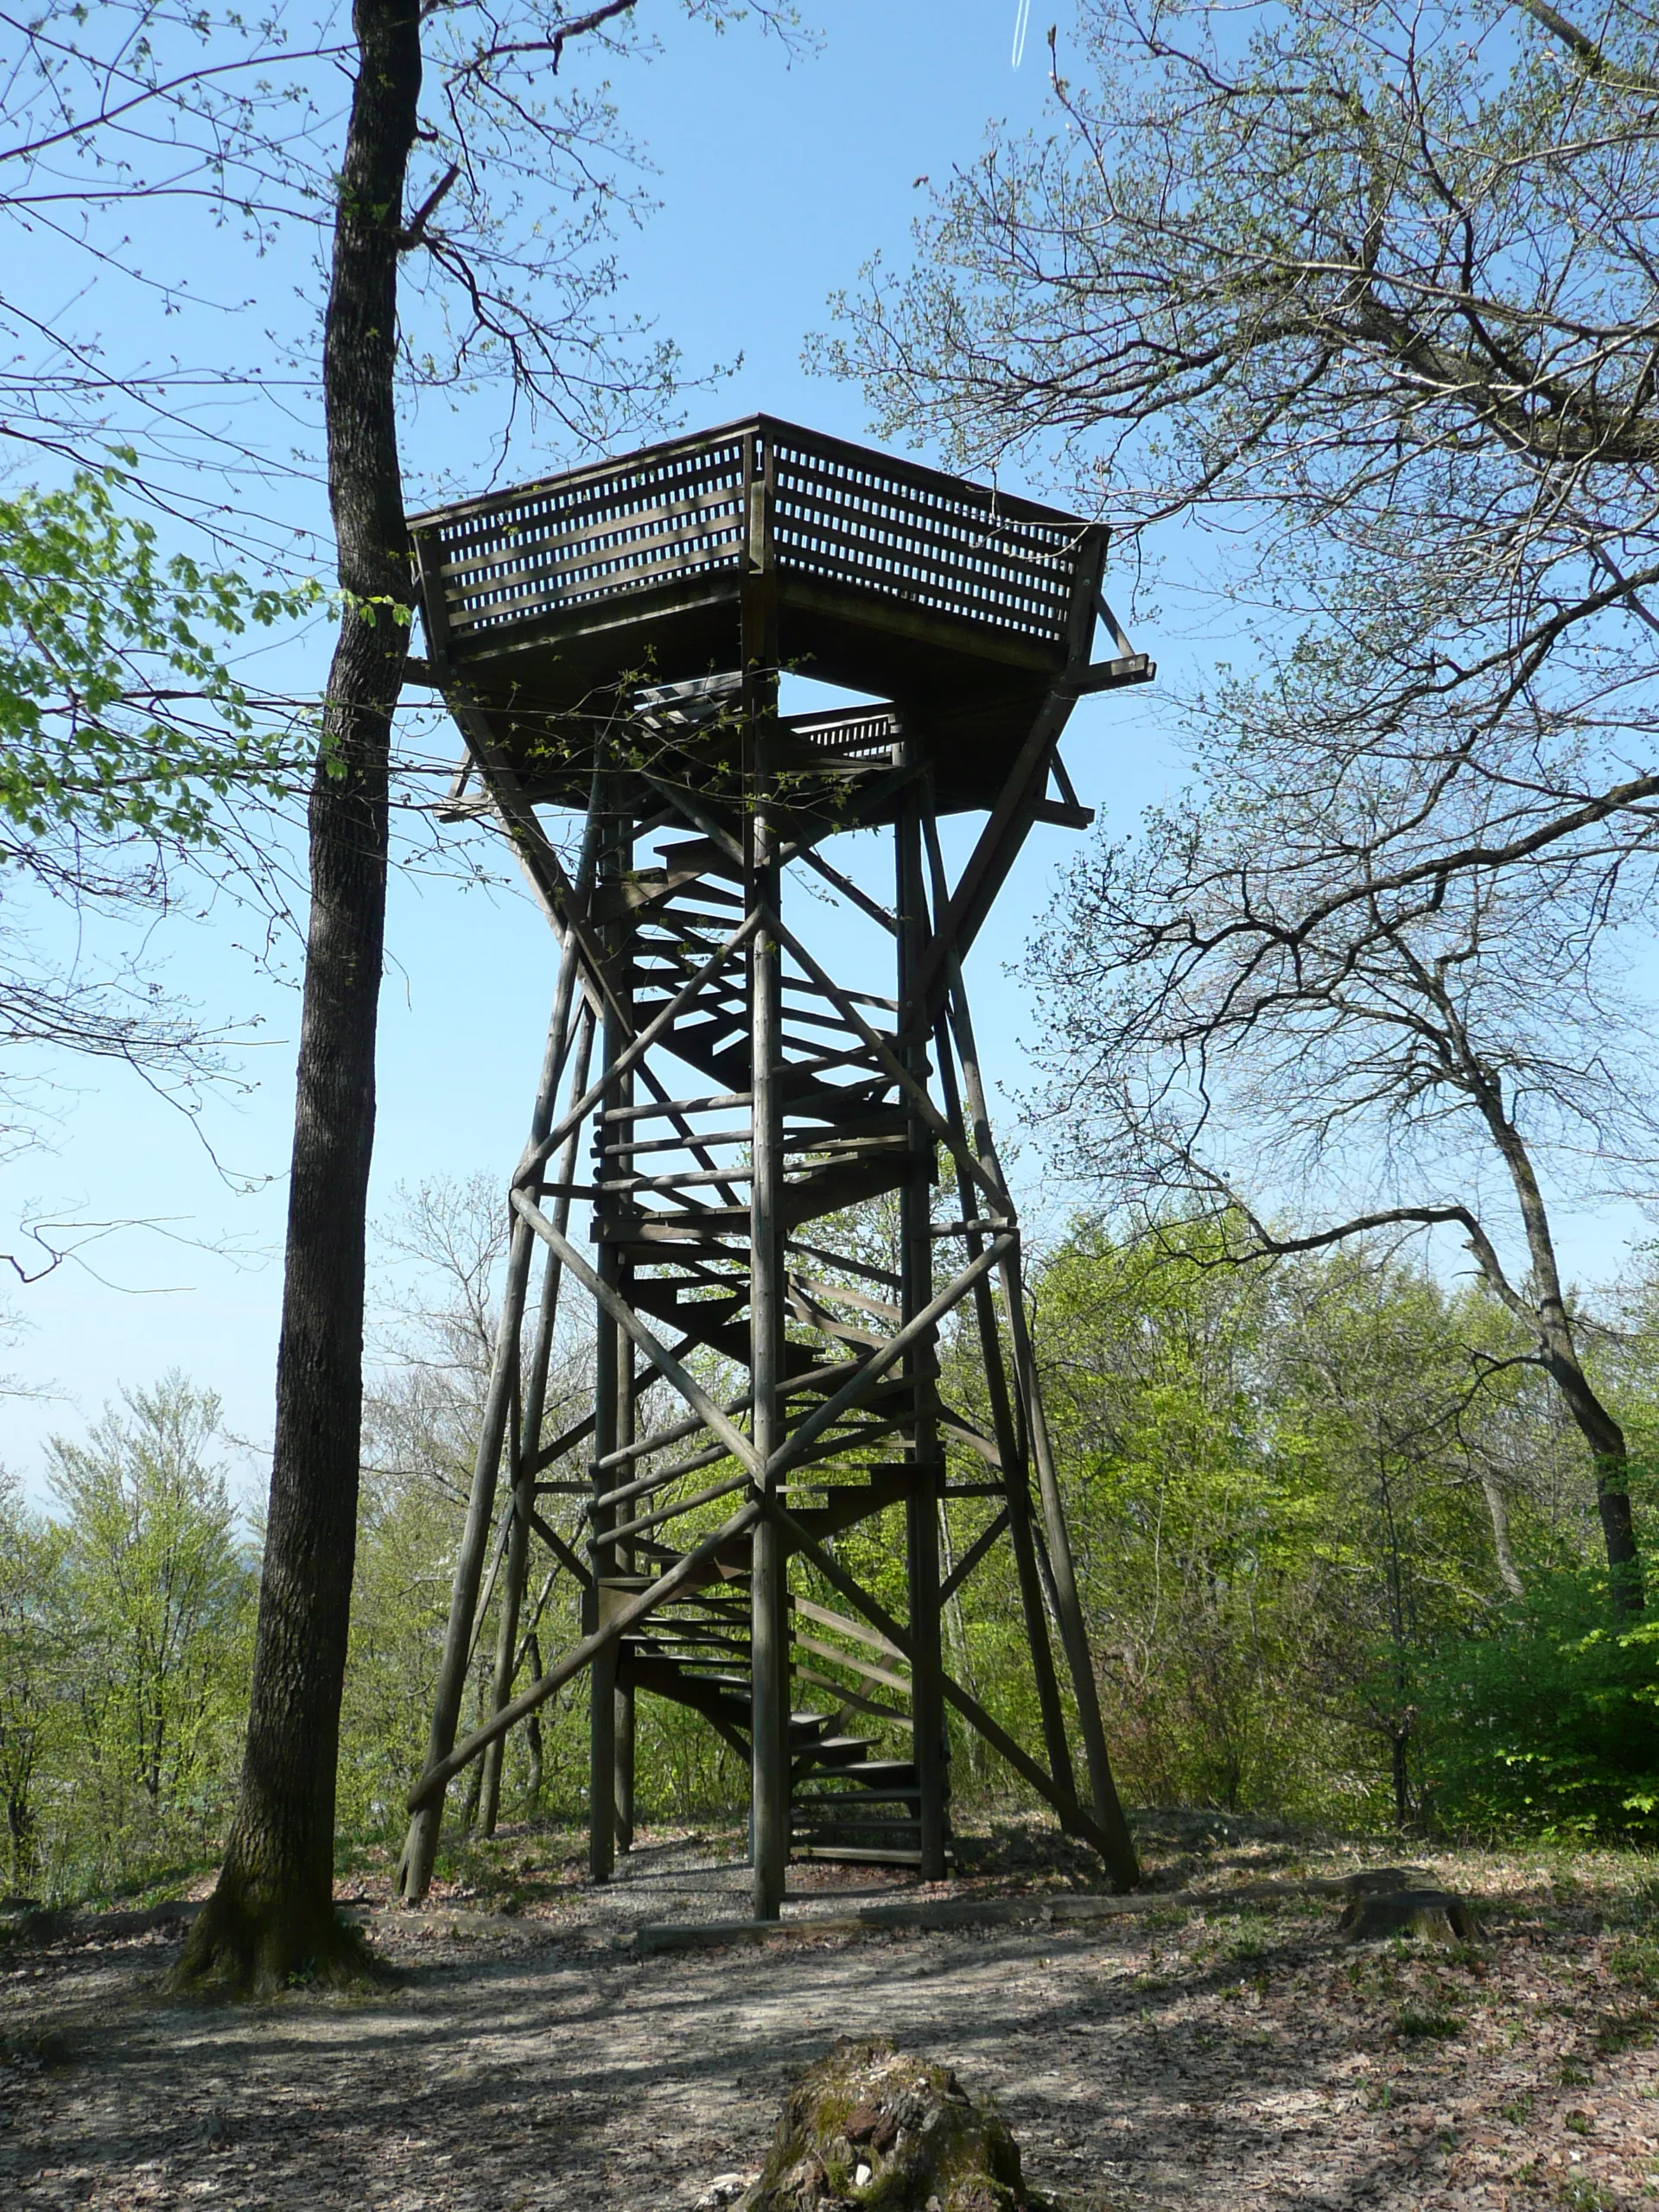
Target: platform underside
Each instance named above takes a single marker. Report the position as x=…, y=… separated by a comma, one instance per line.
x=967, y=697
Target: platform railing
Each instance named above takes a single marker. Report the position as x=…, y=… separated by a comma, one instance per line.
x=852, y=517
x=677, y=514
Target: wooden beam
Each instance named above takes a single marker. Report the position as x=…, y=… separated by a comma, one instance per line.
x=436, y=1779
x=659, y=1354
x=972, y=1557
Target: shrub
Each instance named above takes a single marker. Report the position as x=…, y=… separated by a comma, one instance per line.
x=1550, y=1722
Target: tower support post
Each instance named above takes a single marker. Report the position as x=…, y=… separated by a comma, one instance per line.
x=526, y=1443
x=955, y=1041
x=924, y=1501
x=421, y=1844
x=1106, y=1809
x=613, y=1355
x=769, y=1567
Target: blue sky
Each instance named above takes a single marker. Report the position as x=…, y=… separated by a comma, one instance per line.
x=776, y=182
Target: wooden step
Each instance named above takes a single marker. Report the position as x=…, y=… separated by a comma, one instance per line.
x=872, y=1774
x=647, y=888
x=835, y=1804
x=805, y=1097
x=844, y=1505
x=845, y=1183
x=859, y=1855
x=665, y=1678
x=705, y=855
x=836, y=1751
x=881, y=1832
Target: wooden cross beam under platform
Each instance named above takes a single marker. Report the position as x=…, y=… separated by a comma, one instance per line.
x=769, y=1392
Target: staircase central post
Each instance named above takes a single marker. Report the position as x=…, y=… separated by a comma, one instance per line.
x=613, y=1361
x=916, y=1273
x=624, y=1718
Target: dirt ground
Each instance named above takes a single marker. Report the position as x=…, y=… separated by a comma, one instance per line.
x=1210, y=2057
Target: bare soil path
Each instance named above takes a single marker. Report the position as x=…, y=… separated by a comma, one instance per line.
x=1201, y=2058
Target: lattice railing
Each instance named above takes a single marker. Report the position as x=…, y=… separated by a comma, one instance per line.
x=653, y=520
x=855, y=733
x=855, y=517
x=840, y=514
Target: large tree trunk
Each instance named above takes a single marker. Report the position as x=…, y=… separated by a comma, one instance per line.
x=272, y=1913
x=1608, y=1451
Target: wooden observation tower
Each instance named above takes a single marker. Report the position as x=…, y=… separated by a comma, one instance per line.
x=778, y=1388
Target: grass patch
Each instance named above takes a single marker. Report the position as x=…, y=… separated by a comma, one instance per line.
x=1585, y=2195
x=1618, y=2031
x=1635, y=1962
x=1416, y=2026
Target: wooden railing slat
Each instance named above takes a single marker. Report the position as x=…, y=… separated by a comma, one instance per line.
x=843, y=515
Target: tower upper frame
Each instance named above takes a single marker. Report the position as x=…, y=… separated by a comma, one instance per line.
x=952, y=609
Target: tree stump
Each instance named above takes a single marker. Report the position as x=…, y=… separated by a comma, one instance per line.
x=868, y=2126
x=1386, y=1878
x=1438, y=1915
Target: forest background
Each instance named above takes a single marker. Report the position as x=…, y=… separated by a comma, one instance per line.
x=1339, y=1540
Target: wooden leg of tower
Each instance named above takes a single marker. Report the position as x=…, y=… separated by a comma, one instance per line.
x=601, y=1676
x=922, y=1507
x=513, y=1599
x=769, y=1588
x=610, y=1359
x=421, y=1845
x=601, y=1765
x=622, y=1713
x=1011, y=1453
x=506, y=1640
x=927, y=1696
x=1108, y=1813
x=1010, y=1450
x=622, y=1730
x=769, y=1661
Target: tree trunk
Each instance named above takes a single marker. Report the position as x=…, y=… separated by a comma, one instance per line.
x=1497, y=1507
x=272, y=1913
x=20, y=1826
x=1608, y=1451
x=1399, y=1743
x=533, y=1727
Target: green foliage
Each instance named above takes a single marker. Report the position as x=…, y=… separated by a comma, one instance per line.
x=400, y=1603
x=1271, y=1504
x=31, y=1553
x=119, y=710
x=1549, y=1721
x=149, y=1614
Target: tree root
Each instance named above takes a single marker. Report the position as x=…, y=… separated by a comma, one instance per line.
x=243, y=1944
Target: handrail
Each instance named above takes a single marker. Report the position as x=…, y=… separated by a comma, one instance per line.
x=838, y=516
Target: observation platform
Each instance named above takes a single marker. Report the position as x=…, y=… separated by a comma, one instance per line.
x=644, y=585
